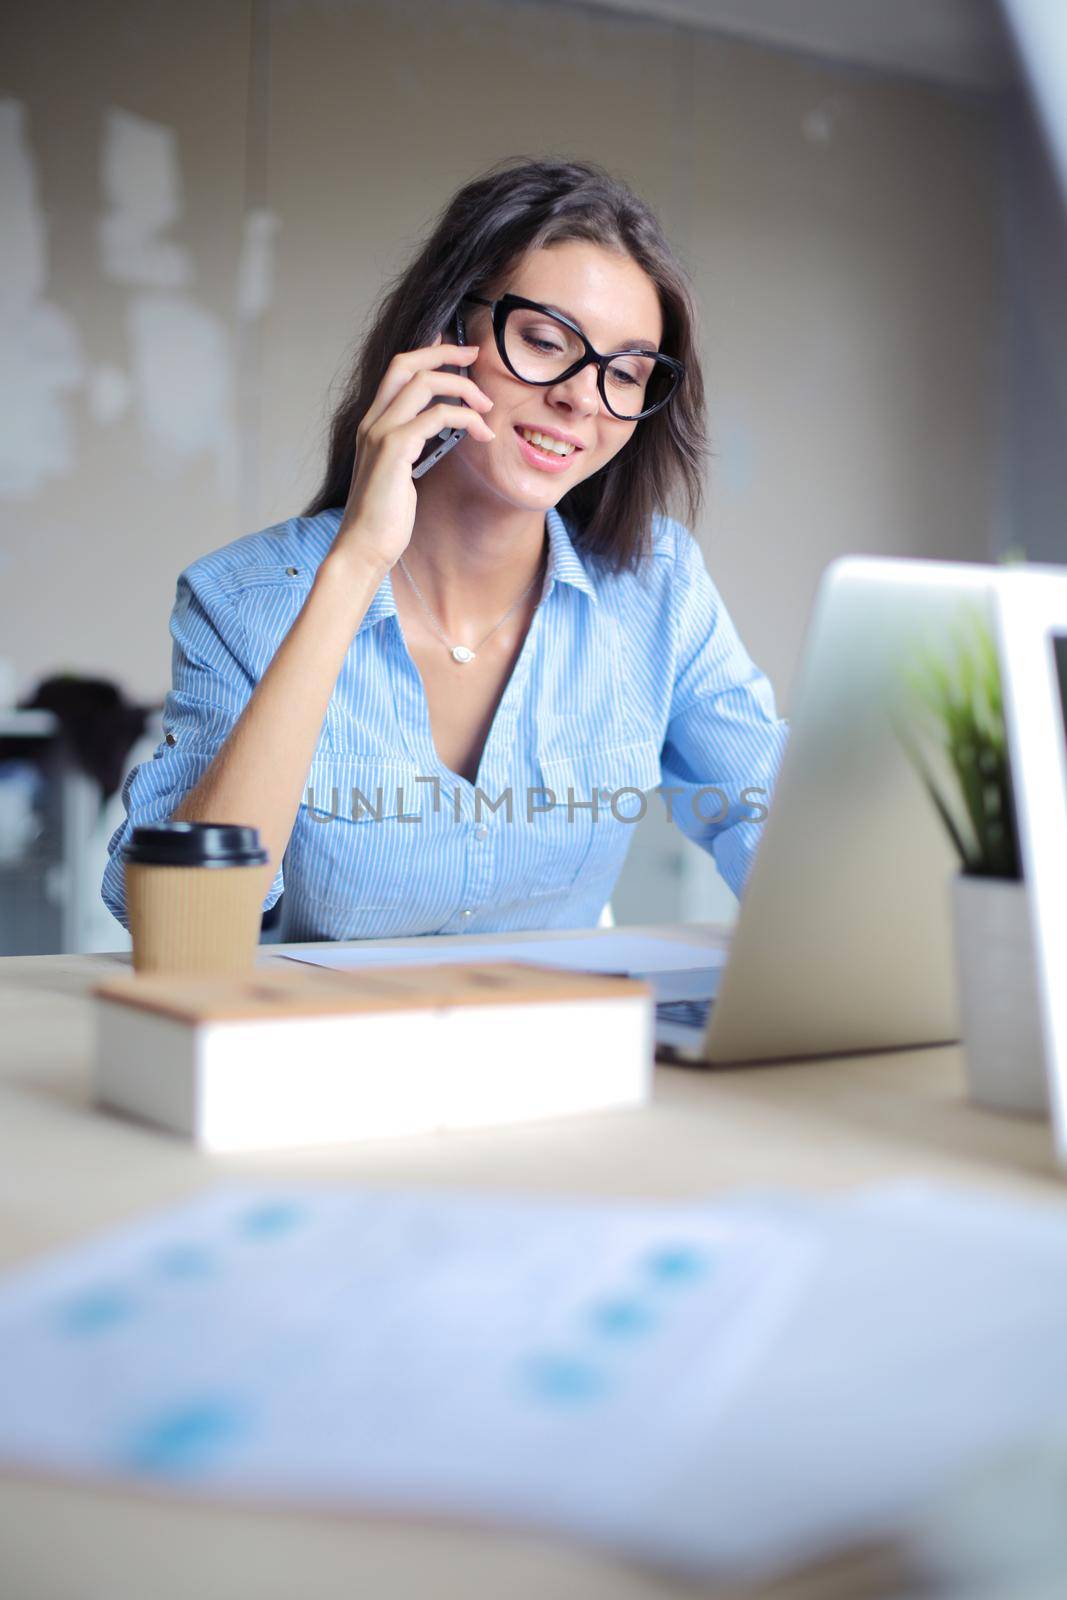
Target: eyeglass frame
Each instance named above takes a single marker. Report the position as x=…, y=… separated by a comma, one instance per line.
x=502, y=308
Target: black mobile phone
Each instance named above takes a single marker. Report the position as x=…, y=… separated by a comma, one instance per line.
x=439, y=444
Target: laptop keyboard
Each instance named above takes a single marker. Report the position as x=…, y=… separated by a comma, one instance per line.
x=689, y=1013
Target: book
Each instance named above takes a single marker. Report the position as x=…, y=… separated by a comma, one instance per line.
x=312, y=1056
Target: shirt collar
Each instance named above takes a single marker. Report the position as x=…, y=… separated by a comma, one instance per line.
x=564, y=566
x=564, y=563
x=320, y=532
x=383, y=605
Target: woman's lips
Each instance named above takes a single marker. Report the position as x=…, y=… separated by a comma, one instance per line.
x=542, y=459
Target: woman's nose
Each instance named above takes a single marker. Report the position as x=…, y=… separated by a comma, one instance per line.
x=580, y=391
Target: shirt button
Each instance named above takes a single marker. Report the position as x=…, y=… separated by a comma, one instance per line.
x=171, y=738
x=291, y=572
x=481, y=833
x=466, y=913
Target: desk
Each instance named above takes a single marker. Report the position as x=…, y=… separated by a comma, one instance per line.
x=66, y=1173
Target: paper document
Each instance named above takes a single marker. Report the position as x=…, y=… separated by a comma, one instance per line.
x=676, y=970
x=927, y=1347
x=724, y=1389
x=537, y=1361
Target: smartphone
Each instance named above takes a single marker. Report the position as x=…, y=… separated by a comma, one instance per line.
x=438, y=446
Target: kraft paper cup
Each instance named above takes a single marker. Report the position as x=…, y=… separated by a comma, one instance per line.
x=194, y=897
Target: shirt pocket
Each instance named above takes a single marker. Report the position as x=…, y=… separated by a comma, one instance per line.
x=358, y=838
x=600, y=785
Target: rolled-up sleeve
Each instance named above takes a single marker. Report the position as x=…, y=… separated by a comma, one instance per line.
x=724, y=740
x=211, y=685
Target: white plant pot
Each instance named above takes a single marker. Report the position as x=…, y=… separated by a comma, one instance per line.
x=999, y=1006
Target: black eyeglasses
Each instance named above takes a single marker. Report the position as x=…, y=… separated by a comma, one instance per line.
x=541, y=346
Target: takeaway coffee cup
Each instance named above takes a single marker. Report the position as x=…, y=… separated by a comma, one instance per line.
x=194, y=896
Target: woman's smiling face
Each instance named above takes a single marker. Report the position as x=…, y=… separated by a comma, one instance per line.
x=616, y=304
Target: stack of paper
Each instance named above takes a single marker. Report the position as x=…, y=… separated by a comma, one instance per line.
x=674, y=969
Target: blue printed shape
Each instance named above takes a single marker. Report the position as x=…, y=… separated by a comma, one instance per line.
x=96, y=1311
x=623, y=1318
x=271, y=1220
x=565, y=1379
x=678, y=1264
x=184, y=1261
x=186, y=1440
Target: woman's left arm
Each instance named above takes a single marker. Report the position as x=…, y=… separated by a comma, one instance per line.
x=724, y=739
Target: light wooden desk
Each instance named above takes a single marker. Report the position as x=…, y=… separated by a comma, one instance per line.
x=67, y=1171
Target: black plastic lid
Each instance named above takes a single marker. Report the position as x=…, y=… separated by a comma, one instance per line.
x=196, y=844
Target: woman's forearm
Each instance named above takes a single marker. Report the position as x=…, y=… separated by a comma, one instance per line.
x=258, y=775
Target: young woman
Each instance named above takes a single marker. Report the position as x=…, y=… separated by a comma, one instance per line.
x=443, y=697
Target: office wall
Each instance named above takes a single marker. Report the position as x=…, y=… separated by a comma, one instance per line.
x=123, y=131
x=1034, y=488
x=200, y=203
x=847, y=241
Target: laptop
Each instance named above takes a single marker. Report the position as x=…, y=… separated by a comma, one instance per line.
x=843, y=941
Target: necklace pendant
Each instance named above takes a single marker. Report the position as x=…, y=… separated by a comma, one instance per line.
x=461, y=654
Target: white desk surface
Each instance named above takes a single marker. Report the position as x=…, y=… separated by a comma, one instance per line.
x=67, y=1171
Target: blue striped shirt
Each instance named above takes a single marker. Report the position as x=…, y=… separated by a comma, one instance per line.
x=625, y=683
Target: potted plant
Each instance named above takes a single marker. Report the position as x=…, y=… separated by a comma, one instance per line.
x=956, y=738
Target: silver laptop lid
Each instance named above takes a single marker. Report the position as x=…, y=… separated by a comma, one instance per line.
x=844, y=939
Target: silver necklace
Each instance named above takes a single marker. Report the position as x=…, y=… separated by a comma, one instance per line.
x=461, y=652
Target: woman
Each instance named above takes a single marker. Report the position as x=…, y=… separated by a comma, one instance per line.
x=443, y=697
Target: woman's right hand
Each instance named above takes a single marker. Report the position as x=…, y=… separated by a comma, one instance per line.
x=380, y=512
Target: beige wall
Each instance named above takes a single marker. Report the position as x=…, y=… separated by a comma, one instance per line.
x=121, y=207
x=200, y=203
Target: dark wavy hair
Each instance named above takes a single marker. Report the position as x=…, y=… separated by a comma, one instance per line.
x=486, y=229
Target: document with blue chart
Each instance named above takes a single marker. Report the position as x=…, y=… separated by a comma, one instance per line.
x=536, y=1361
x=722, y=1388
